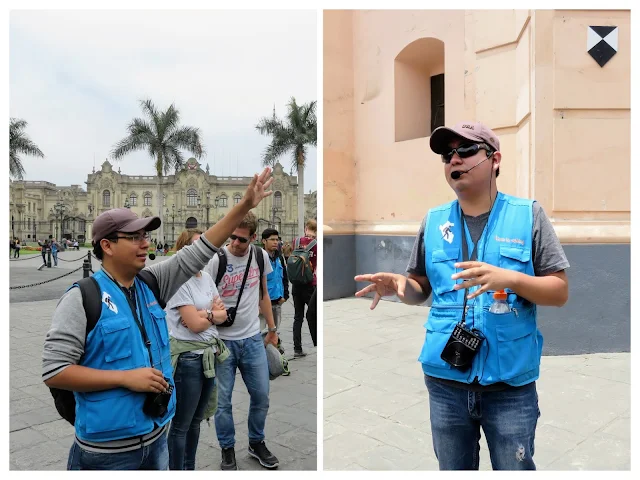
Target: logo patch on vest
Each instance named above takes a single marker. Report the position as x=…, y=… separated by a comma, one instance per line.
x=447, y=234
x=106, y=299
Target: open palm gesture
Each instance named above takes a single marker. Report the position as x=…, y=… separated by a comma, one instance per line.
x=257, y=189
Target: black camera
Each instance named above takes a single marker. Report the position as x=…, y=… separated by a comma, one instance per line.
x=462, y=347
x=231, y=317
x=156, y=404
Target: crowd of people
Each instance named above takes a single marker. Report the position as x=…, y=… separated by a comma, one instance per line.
x=163, y=353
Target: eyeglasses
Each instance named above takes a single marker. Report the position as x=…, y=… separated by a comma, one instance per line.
x=465, y=151
x=134, y=238
x=241, y=239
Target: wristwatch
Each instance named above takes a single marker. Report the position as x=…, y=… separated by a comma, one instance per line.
x=274, y=329
x=210, y=316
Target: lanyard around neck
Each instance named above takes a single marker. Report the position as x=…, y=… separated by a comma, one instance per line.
x=136, y=310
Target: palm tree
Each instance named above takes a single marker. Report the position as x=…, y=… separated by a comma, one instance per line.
x=19, y=142
x=299, y=131
x=162, y=137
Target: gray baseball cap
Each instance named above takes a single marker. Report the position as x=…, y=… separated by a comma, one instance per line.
x=121, y=220
x=474, y=131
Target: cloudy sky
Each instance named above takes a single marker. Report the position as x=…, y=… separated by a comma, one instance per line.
x=77, y=77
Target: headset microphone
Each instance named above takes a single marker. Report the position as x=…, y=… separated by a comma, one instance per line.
x=152, y=256
x=457, y=174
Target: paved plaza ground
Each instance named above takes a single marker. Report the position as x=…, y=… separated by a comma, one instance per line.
x=40, y=439
x=376, y=406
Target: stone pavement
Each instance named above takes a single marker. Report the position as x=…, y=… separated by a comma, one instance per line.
x=40, y=439
x=376, y=406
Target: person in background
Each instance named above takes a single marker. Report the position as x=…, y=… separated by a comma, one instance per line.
x=277, y=281
x=192, y=314
x=54, y=251
x=302, y=292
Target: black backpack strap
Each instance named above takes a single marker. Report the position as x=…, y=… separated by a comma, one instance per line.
x=152, y=282
x=91, y=301
x=222, y=265
x=260, y=260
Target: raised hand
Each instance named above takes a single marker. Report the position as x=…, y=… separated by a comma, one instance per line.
x=257, y=189
x=383, y=284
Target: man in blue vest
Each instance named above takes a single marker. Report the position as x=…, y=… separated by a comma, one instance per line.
x=480, y=368
x=125, y=360
x=277, y=281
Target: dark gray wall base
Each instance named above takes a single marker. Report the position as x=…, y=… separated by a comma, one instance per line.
x=596, y=319
x=339, y=266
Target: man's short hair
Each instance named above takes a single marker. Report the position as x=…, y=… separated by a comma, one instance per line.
x=249, y=221
x=311, y=225
x=268, y=232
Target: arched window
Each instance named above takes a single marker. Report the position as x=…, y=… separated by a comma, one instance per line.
x=419, y=89
x=191, y=223
x=223, y=200
x=133, y=199
x=192, y=197
x=147, y=199
x=106, y=198
x=236, y=198
x=277, y=200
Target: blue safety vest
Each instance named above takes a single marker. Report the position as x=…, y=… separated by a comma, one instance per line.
x=116, y=344
x=513, y=345
x=274, y=279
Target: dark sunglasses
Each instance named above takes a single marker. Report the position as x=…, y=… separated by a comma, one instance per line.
x=465, y=151
x=242, y=239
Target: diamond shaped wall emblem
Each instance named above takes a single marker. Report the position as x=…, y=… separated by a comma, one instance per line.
x=602, y=43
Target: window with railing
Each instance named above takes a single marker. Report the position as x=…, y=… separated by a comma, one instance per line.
x=277, y=200
x=106, y=198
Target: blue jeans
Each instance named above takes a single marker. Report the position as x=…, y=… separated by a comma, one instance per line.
x=151, y=457
x=193, y=390
x=250, y=357
x=55, y=258
x=508, y=419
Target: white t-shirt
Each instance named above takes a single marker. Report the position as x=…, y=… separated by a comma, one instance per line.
x=199, y=292
x=247, y=322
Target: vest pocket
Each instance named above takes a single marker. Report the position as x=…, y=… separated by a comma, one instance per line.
x=514, y=258
x=159, y=318
x=517, y=347
x=442, y=262
x=116, y=336
x=438, y=333
x=111, y=413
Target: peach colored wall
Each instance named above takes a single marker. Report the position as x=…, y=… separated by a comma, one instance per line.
x=561, y=118
x=338, y=104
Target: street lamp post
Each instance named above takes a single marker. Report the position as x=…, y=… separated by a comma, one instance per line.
x=59, y=209
x=173, y=222
x=208, y=206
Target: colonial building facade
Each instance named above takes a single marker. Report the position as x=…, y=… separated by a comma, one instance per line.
x=190, y=198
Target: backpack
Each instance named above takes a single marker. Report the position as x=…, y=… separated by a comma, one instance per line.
x=64, y=400
x=299, y=268
x=222, y=265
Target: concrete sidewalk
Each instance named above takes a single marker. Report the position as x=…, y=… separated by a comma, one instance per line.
x=376, y=406
x=40, y=439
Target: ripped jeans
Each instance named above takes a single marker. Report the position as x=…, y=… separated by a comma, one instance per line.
x=508, y=419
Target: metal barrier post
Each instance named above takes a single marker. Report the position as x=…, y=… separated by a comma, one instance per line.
x=49, y=258
x=86, y=268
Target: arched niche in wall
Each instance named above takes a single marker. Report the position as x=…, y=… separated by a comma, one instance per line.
x=419, y=89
